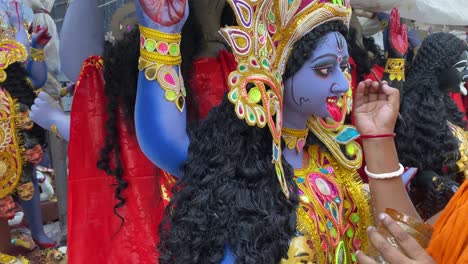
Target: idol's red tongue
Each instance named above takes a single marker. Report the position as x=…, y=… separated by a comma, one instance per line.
x=334, y=111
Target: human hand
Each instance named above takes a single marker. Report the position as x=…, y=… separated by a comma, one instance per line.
x=168, y=16
x=415, y=253
x=375, y=108
x=45, y=111
x=40, y=37
x=397, y=36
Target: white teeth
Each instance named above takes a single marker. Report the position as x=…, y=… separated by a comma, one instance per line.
x=330, y=100
x=463, y=89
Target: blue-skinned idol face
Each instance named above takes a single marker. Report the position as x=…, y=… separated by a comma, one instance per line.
x=317, y=88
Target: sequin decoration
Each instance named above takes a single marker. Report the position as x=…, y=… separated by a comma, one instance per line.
x=334, y=211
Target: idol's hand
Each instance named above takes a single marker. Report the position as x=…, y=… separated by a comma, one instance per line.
x=416, y=254
x=40, y=37
x=375, y=108
x=168, y=16
x=413, y=38
x=45, y=111
x=397, y=36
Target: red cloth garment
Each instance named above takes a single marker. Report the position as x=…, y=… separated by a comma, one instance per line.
x=95, y=234
x=209, y=80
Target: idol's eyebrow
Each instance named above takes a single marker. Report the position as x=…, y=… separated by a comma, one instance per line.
x=460, y=63
x=303, y=254
x=324, y=56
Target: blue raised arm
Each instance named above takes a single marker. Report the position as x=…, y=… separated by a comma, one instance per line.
x=82, y=36
x=160, y=125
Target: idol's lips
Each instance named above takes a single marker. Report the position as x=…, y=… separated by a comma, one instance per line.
x=333, y=109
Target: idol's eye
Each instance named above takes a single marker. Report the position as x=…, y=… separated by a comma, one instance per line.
x=323, y=70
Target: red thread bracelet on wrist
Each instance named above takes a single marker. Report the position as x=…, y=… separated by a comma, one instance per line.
x=378, y=136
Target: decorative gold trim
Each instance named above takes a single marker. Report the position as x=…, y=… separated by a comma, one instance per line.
x=295, y=138
x=396, y=69
x=37, y=54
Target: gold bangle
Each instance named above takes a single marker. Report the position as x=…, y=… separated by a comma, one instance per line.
x=159, y=35
x=37, y=54
x=160, y=47
x=54, y=130
x=396, y=69
x=159, y=58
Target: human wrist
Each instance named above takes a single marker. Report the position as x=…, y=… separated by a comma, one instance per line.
x=380, y=155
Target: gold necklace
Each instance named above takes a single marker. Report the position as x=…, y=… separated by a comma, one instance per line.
x=295, y=138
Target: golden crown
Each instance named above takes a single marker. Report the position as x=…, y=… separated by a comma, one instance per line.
x=261, y=43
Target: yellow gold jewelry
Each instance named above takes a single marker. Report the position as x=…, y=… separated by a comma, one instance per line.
x=37, y=54
x=11, y=148
x=54, y=130
x=295, y=138
x=159, y=53
x=7, y=259
x=160, y=47
x=11, y=51
x=396, y=69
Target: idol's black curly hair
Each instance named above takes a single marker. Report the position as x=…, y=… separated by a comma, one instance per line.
x=229, y=193
x=121, y=80
x=364, y=62
x=20, y=89
x=424, y=139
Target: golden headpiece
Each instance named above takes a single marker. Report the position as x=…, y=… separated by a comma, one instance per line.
x=267, y=31
x=11, y=51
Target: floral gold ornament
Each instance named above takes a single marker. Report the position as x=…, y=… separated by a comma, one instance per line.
x=334, y=212
x=159, y=53
x=11, y=150
x=11, y=51
x=295, y=138
x=261, y=43
x=396, y=69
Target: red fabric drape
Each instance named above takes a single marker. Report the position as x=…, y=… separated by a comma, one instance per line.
x=94, y=232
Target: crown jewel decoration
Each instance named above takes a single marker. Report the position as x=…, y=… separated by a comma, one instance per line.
x=261, y=43
x=11, y=51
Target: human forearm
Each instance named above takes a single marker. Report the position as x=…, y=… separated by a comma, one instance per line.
x=381, y=157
